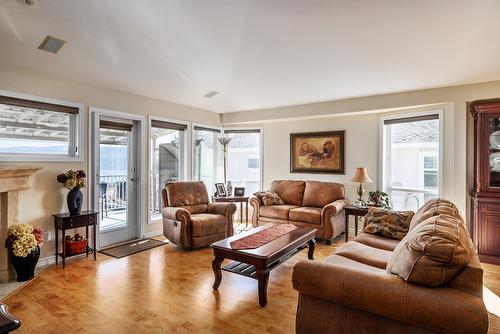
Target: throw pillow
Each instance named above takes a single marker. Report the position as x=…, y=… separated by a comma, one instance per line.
x=433, y=253
x=390, y=224
x=269, y=198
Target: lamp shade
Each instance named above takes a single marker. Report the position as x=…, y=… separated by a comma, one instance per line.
x=361, y=176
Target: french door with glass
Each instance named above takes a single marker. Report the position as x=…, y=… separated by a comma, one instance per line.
x=116, y=173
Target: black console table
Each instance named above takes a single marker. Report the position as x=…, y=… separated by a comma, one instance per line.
x=65, y=221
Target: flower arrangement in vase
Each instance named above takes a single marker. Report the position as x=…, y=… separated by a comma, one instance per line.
x=73, y=180
x=23, y=242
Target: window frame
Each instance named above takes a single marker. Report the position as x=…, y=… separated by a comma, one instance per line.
x=383, y=144
x=219, y=151
x=261, y=148
x=75, y=133
x=185, y=160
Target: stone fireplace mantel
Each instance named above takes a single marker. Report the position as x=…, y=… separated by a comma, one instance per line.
x=12, y=180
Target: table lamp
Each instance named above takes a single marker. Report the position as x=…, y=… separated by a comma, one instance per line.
x=361, y=176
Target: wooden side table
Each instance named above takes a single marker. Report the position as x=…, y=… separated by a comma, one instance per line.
x=236, y=199
x=355, y=211
x=65, y=221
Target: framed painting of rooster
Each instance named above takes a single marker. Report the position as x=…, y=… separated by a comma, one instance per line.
x=317, y=152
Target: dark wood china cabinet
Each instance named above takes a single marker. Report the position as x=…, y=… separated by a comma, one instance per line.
x=486, y=193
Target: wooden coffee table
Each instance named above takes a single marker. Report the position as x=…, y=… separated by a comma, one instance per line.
x=257, y=263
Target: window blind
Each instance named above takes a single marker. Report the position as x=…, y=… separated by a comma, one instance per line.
x=14, y=101
x=410, y=119
x=168, y=125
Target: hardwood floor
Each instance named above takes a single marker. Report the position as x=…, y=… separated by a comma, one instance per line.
x=165, y=290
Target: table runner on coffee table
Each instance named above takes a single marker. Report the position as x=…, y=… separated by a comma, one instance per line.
x=262, y=237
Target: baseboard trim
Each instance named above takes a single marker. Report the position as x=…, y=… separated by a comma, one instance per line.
x=49, y=260
x=153, y=234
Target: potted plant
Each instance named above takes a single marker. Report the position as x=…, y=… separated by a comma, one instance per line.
x=379, y=198
x=23, y=243
x=73, y=180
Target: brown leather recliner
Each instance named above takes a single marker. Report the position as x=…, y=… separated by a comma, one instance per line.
x=429, y=282
x=190, y=220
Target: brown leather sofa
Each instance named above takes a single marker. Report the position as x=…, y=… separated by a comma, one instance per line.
x=379, y=285
x=307, y=203
x=190, y=220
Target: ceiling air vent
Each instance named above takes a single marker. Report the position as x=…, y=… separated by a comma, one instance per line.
x=52, y=44
x=211, y=94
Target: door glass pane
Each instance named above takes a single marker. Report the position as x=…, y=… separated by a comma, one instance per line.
x=412, y=163
x=244, y=161
x=166, y=146
x=113, y=177
x=494, y=152
x=206, y=158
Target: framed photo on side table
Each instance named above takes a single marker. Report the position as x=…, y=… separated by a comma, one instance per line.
x=221, y=190
x=239, y=191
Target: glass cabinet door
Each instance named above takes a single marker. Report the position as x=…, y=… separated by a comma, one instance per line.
x=494, y=152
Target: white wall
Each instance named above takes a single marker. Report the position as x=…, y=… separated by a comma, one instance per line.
x=361, y=149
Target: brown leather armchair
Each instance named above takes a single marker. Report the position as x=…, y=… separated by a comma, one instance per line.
x=190, y=220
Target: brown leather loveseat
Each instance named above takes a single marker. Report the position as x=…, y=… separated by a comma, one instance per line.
x=307, y=203
x=190, y=220
x=429, y=282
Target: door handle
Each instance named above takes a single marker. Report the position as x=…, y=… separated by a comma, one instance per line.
x=133, y=179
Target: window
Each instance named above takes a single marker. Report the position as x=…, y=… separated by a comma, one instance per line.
x=430, y=170
x=411, y=165
x=35, y=130
x=167, y=160
x=253, y=163
x=207, y=157
x=244, y=159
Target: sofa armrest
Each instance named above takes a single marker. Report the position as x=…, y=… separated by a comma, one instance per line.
x=225, y=209
x=177, y=226
x=443, y=309
x=173, y=213
x=256, y=203
x=334, y=208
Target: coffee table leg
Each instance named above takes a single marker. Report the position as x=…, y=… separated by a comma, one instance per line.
x=216, y=263
x=262, y=278
x=310, y=249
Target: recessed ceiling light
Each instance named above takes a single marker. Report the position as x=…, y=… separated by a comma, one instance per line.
x=52, y=44
x=211, y=94
x=27, y=3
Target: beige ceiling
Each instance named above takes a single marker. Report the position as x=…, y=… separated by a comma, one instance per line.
x=261, y=53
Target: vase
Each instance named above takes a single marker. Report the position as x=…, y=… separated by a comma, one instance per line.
x=229, y=189
x=25, y=266
x=75, y=199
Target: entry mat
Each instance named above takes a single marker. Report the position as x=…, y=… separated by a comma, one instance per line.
x=132, y=247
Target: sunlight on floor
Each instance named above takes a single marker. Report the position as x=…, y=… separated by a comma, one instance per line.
x=491, y=301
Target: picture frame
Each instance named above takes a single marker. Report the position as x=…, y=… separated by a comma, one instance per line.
x=220, y=190
x=318, y=152
x=239, y=191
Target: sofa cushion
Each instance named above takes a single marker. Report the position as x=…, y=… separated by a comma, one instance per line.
x=276, y=211
x=204, y=224
x=306, y=214
x=377, y=241
x=269, y=197
x=432, y=208
x=387, y=223
x=343, y=261
x=198, y=208
x=290, y=191
x=186, y=193
x=433, y=253
x=319, y=194
x=371, y=256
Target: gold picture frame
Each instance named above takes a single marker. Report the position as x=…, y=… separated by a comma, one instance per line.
x=317, y=152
